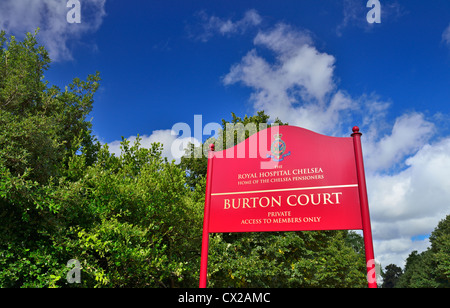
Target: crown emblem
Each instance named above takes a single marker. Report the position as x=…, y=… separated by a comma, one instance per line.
x=278, y=149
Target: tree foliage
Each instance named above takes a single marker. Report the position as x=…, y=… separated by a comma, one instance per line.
x=63, y=196
x=391, y=275
x=285, y=259
x=430, y=268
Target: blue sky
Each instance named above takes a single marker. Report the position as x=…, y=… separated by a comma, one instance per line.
x=157, y=70
x=315, y=64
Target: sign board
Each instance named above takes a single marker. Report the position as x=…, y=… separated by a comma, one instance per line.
x=304, y=181
x=287, y=178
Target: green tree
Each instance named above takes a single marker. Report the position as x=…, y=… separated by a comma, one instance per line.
x=391, y=275
x=129, y=220
x=41, y=126
x=440, y=249
x=285, y=259
x=41, y=130
x=431, y=268
x=135, y=224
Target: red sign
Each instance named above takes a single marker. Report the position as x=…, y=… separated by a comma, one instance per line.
x=287, y=178
x=299, y=180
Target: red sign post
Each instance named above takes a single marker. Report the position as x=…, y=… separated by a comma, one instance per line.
x=287, y=178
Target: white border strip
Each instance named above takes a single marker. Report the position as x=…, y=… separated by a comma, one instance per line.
x=284, y=189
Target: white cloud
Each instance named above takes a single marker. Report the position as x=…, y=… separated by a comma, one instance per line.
x=212, y=25
x=19, y=17
x=173, y=145
x=446, y=36
x=298, y=87
x=407, y=174
x=409, y=133
x=412, y=202
x=354, y=13
x=395, y=251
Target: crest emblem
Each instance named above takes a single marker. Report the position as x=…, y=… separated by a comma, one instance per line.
x=278, y=149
